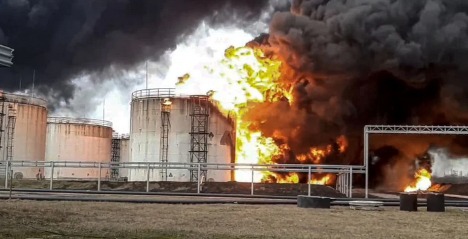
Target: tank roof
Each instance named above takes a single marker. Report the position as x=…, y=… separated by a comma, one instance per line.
x=83, y=121
x=23, y=99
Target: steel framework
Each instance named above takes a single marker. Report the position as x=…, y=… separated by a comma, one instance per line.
x=199, y=135
x=165, y=127
x=115, y=157
x=405, y=129
x=2, y=116
x=11, y=132
x=395, y=129
x=6, y=56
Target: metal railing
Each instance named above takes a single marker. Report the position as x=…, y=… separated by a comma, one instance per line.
x=83, y=121
x=153, y=93
x=345, y=184
x=23, y=99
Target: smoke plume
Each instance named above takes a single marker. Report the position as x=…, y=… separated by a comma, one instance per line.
x=63, y=39
x=358, y=62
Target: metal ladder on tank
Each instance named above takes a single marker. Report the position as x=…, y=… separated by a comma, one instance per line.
x=199, y=136
x=2, y=130
x=115, y=158
x=11, y=132
x=165, y=127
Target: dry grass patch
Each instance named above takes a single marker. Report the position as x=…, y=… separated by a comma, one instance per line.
x=22, y=219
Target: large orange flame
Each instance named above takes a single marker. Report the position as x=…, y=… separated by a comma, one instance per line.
x=250, y=77
x=423, y=181
x=328, y=179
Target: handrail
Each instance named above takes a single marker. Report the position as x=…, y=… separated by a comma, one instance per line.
x=83, y=121
x=22, y=99
x=153, y=93
x=192, y=166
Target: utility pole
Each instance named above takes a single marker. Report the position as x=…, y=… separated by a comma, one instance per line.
x=104, y=111
x=146, y=74
x=34, y=79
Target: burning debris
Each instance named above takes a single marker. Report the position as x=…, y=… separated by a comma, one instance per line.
x=423, y=181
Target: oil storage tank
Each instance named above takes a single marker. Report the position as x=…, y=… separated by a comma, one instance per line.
x=23, y=123
x=78, y=140
x=171, y=128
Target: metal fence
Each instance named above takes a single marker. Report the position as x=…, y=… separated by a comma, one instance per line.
x=344, y=173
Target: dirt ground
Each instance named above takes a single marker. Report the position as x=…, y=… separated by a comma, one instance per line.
x=30, y=219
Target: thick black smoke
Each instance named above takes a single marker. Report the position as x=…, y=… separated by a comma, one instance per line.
x=358, y=62
x=62, y=39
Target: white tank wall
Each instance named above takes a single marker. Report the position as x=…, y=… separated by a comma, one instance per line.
x=78, y=142
x=30, y=132
x=146, y=133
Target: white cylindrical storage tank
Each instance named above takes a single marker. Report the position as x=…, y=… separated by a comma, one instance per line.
x=23, y=126
x=153, y=130
x=78, y=140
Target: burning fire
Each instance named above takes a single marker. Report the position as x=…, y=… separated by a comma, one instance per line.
x=423, y=181
x=323, y=181
x=247, y=76
x=294, y=178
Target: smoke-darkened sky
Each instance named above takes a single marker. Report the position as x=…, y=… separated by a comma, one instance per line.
x=358, y=62
x=63, y=39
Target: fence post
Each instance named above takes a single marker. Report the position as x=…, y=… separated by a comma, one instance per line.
x=351, y=182
x=7, y=171
x=343, y=183
x=252, y=182
x=198, y=179
x=148, y=178
x=11, y=183
x=309, y=179
x=99, y=179
x=346, y=179
x=51, y=175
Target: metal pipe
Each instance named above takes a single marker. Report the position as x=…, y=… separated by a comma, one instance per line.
x=343, y=180
x=215, y=168
x=7, y=170
x=345, y=183
x=52, y=176
x=198, y=179
x=309, y=179
x=130, y=193
x=303, y=166
x=148, y=177
x=11, y=183
x=252, y=183
x=366, y=159
x=350, y=182
x=153, y=201
x=219, y=201
x=99, y=179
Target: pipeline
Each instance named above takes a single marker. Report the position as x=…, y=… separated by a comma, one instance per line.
x=151, y=201
x=385, y=200
x=335, y=202
x=149, y=193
